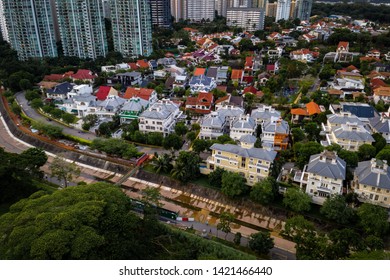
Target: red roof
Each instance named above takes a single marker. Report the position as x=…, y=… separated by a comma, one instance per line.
x=249, y=62
x=313, y=108
x=375, y=83
x=144, y=93
x=221, y=99
x=343, y=44
x=206, y=97
x=142, y=63
x=103, y=92
x=237, y=74
x=199, y=71
x=248, y=79
x=53, y=77
x=250, y=89
x=271, y=67
x=133, y=66
x=83, y=74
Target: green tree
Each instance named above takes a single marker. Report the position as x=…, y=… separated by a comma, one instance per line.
x=263, y=191
x=16, y=108
x=298, y=135
x=33, y=159
x=313, y=131
x=303, y=151
x=336, y=208
x=104, y=130
x=215, y=177
x=373, y=219
x=68, y=118
x=89, y=222
x=186, y=167
x=384, y=154
x=233, y=184
x=155, y=138
x=297, y=200
x=225, y=220
x=261, y=242
x=63, y=170
x=181, y=129
x=173, y=141
x=199, y=145
x=351, y=158
x=380, y=142
x=191, y=136
x=57, y=113
x=32, y=94
x=366, y=152
x=162, y=163
x=36, y=103
x=25, y=84
x=151, y=197
x=309, y=244
x=237, y=238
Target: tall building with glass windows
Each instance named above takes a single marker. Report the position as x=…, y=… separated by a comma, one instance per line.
x=161, y=13
x=132, y=27
x=82, y=28
x=30, y=28
x=303, y=9
x=283, y=10
x=3, y=25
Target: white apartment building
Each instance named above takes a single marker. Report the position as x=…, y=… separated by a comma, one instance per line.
x=160, y=117
x=250, y=19
x=283, y=10
x=323, y=176
x=3, y=25
x=198, y=10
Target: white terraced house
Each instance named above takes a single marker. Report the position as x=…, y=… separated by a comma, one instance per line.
x=244, y=125
x=347, y=131
x=160, y=117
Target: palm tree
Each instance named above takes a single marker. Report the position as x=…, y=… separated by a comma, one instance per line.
x=162, y=163
x=179, y=171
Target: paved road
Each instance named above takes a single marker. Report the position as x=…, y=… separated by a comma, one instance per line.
x=30, y=112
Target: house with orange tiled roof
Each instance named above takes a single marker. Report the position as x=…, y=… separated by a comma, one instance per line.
x=307, y=112
x=342, y=47
x=376, y=83
x=254, y=91
x=142, y=63
x=200, y=104
x=382, y=93
x=305, y=55
x=199, y=71
x=274, y=36
x=237, y=75
x=147, y=94
x=84, y=75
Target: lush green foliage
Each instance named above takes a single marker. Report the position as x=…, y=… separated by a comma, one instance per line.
x=264, y=191
x=233, y=184
x=297, y=200
x=335, y=208
x=186, y=166
x=261, y=242
x=373, y=219
x=116, y=147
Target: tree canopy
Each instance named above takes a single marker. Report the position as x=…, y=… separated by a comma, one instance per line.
x=297, y=200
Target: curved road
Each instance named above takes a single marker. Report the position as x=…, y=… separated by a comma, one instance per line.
x=30, y=112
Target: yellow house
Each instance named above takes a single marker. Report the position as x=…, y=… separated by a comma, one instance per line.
x=372, y=182
x=252, y=163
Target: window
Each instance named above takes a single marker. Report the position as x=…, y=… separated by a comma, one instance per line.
x=376, y=197
x=218, y=161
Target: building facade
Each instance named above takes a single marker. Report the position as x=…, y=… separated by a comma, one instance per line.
x=323, y=177
x=283, y=10
x=161, y=117
x=179, y=9
x=303, y=9
x=253, y=164
x=198, y=10
x=250, y=19
x=3, y=25
x=161, y=13
x=372, y=182
x=271, y=9
x=132, y=27
x=30, y=27
x=82, y=28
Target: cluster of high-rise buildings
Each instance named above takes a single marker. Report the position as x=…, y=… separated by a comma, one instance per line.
x=33, y=27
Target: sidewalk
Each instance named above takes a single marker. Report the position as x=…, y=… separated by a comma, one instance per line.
x=203, y=206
